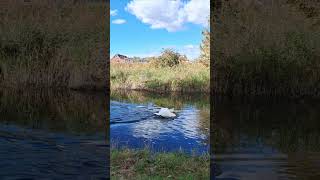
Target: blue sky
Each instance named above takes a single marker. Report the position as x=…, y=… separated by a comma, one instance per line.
x=144, y=27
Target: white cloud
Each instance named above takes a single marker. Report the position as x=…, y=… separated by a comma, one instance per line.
x=119, y=21
x=159, y=14
x=170, y=14
x=113, y=12
x=191, y=51
x=198, y=12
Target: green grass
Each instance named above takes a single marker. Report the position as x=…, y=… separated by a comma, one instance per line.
x=143, y=164
x=193, y=77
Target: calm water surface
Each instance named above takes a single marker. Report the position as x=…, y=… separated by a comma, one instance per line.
x=267, y=139
x=52, y=135
x=134, y=125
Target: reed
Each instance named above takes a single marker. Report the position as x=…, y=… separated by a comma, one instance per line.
x=266, y=48
x=53, y=44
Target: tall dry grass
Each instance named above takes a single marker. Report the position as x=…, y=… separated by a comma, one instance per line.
x=185, y=77
x=48, y=43
x=266, y=48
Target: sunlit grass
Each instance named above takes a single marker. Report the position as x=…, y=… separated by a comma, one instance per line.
x=191, y=77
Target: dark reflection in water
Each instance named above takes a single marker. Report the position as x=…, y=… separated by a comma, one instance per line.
x=53, y=135
x=134, y=125
x=266, y=139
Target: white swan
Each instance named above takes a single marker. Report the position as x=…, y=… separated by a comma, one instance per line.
x=165, y=112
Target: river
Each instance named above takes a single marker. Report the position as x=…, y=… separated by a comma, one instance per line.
x=53, y=135
x=134, y=125
x=262, y=138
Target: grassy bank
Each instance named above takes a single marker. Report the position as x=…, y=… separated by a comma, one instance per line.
x=266, y=48
x=142, y=164
x=186, y=77
x=177, y=100
x=53, y=44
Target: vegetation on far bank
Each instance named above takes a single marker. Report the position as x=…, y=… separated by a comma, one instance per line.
x=193, y=77
x=171, y=99
x=263, y=48
x=143, y=164
x=53, y=44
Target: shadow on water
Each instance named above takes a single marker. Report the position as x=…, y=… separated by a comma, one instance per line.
x=53, y=134
x=134, y=125
x=266, y=139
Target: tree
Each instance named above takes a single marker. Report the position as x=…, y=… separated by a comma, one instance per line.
x=205, y=48
x=168, y=58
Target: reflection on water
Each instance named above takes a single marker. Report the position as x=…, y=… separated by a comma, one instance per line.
x=267, y=139
x=52, y=134
x=134, y=124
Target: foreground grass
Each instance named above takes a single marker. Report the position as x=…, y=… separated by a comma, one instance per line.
x=142, y=164
x=189, y=77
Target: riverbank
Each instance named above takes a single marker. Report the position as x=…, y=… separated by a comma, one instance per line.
x=142, y=164
x=170, y=99
x=186, y=77
x=54, y=44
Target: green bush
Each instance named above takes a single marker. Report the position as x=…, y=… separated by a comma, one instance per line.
x=168, y=58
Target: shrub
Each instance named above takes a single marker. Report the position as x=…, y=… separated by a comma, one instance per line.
x=168, y=58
